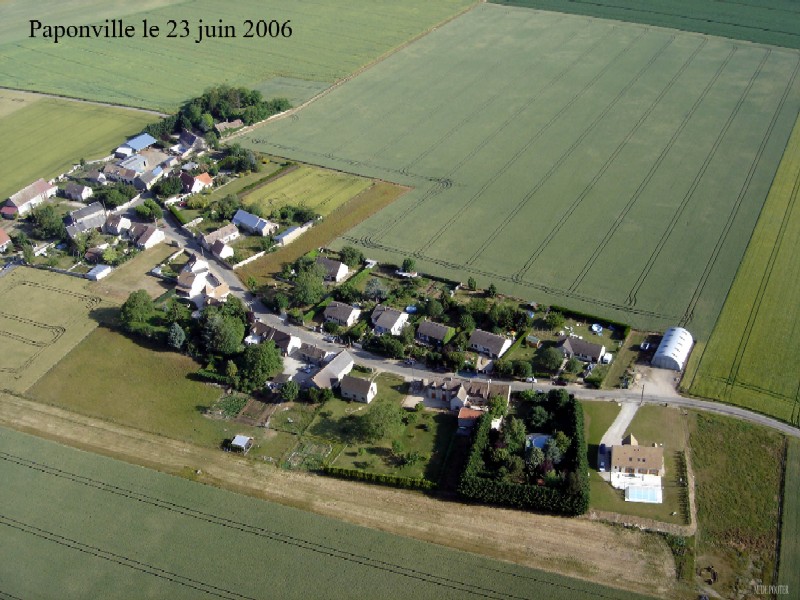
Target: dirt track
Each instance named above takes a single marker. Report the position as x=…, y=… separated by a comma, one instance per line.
x=575, y=547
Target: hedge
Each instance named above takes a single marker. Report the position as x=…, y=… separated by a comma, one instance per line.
x=178, y=214
x=409, y=483
x=572, y=499
x=214, y=377
x=576, y=314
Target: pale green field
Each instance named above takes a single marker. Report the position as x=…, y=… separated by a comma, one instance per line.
x=43, y=315
x=329, y=41
x=46, y=136
x=321, y=190
x=609, y=167
x=751, y=358
x=100, y=528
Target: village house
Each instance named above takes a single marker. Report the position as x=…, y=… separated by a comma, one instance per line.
x=198, y=284
x=458, y=393
x=117, y=173
x=221, y=250
x=146, y=180
x=313, y=354
x=358, y=389
x=581, y=349
x=193, y=184
x=342, y=314
x=332, y=373
x=489, y=343
x=285, y=342
x=631, y=458
x=388, y=320
x=117, y=224
x=96, y=177
x=467, y=419
x=76, y=191
x=92, y=216
x=253, y=224
x=146, y=236
x=5, y=241
x=28, y=198
x=225, y=234
x=434, y=334
x=334, y=270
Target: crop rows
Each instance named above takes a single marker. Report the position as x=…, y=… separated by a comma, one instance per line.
x=610, y=167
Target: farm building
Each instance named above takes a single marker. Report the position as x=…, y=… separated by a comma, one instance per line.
x=358, y=389
x=28, y=198
x=98, y=272
x=489, y=343
x=673, y=350
x=134, y=145
x=291, y=234
x=253, y=224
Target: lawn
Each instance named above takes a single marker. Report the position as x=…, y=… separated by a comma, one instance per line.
x=113, y=377
x=766, y=22
x=750, y=359
x=380, y=195
x=737, y=488
x=50, y=135
x=134, y=275
x=652, y=424
x=321, y=190
x=523, y=132
x=103, y=528
x=43, y=315
x=789, y=569
x=329, y=41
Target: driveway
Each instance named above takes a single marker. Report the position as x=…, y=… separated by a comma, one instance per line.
x=613, y=437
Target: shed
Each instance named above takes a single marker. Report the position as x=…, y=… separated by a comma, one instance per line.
x=98, y=272
x=673, y=351
x=242, y=443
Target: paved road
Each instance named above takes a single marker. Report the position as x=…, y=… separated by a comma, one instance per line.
x=418, y=371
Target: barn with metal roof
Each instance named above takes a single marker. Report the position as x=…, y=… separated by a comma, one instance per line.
x=674, y=349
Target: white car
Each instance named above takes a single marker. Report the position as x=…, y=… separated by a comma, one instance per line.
x=531, y=380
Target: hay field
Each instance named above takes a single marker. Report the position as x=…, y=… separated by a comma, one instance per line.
x=103, y=528
x=329, y=41
x=766, y=21
x=46, y=136
x=609, y=167
x=751, y=358
x=321, y=190
x=43, y=315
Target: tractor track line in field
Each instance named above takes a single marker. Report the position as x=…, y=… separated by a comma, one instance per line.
x=689, y=313
x=533, y=139
x=648, y=176
x=214, y=519
x=83, y=101
x=555, y=79
x=584, y=134
x=690, y=193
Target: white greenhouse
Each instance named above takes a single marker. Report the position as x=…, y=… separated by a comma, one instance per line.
x=674, y=349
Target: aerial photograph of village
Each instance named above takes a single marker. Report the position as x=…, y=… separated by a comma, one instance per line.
x=419, y=299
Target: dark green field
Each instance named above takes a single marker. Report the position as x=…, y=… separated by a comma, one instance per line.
x=76, y=525
x=765, y=21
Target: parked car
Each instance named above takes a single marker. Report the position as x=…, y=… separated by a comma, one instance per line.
x=644, y=346
x=531, y=380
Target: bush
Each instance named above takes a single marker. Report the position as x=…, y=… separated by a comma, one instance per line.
x=409, y=483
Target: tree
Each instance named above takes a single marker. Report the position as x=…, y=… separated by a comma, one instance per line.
x=309, y=287
x=551, y=358
x=227, y=207
x=149, y=210
x=381, y=420
x=223, y=334
x=176, y=312
x=27, y=253
x=110, y=255
x=573, y=365
x=46, y=223
x=552, y=452
x=408, y=265
x=523, y=369
x=176, y=337
x=350, y=256
x=138, y=308
x=491, y=291
x=258, y=363
x=290, y=391
x=170, y=186
x=397, y=448
x=467, y=322
x=454, y=360
x=252, y=284
x=332, y=327
x=514, y=435
x=231, y=370
x=375, y=290
x=434, y=309
x=535, y=457
x=236, y=309
x=280, y=302
x=497, y=406
x=539, y=418
x=555, y=320
x=472, y=284
x=562, y=440
x=347, y=293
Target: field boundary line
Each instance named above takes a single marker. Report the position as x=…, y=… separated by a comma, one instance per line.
x=85, y=101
